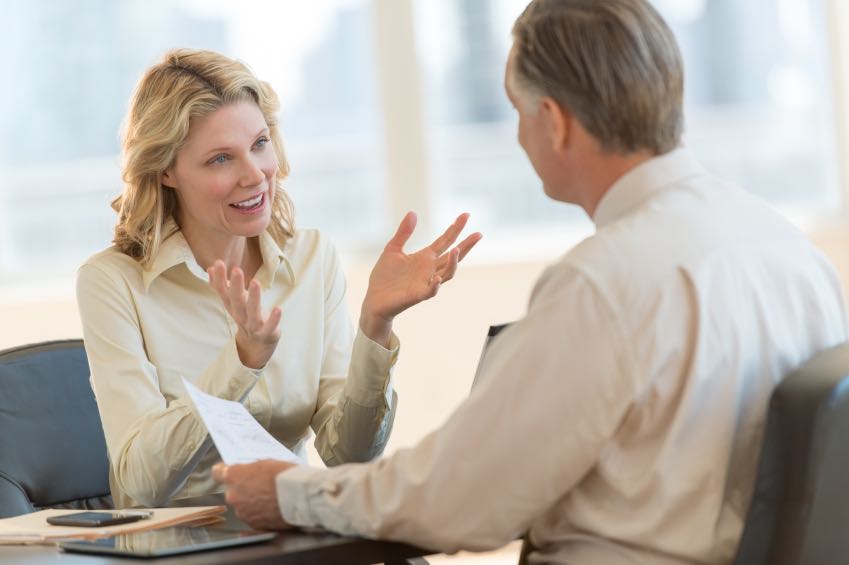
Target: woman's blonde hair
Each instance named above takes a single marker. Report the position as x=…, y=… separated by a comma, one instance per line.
x=614, y=63
x=188, y=84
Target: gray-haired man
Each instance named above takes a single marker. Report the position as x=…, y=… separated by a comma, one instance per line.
x=620, y=420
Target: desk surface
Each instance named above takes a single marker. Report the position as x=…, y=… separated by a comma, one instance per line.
x=288, y=548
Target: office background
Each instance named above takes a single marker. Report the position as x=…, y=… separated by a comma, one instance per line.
x=391, y=105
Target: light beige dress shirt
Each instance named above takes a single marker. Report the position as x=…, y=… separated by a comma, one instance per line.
x=620, y=420
x=144, y=329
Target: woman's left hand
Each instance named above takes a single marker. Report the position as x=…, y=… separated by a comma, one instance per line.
x=399, y=280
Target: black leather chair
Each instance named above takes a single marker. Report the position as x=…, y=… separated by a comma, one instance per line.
x=52, y=450
x=799, y=513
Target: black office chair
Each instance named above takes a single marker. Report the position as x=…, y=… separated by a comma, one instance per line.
x=799, y=513
x=52, y=450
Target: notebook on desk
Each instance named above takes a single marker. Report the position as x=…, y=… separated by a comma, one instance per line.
x=34, y=528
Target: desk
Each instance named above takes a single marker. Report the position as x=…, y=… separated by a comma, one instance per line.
x=288, y=548
x=291, y=547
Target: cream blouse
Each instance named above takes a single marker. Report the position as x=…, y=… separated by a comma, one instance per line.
x=144, y=329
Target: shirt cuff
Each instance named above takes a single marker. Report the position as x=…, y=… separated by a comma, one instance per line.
x=295, y=487
x=369, y=381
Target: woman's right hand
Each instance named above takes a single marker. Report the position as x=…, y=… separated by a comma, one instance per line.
x=257, y=337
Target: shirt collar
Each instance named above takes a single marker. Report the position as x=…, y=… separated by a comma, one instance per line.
x=273, y=258
x=644, y=181
x=174, y=250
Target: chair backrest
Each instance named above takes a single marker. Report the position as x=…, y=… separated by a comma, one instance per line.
x=491, y=332
x=52, y=449
x=799, y=513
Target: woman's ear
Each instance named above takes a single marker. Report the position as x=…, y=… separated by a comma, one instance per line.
x=168, y=178
x=558, y=122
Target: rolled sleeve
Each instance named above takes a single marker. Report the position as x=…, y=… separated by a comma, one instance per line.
x=369, y=382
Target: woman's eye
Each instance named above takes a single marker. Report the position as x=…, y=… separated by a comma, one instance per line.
x=260, y=143
x=219, y=160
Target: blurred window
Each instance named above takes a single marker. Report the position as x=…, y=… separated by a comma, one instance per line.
x=757, y=105
x=757, y=101
x=72, y=68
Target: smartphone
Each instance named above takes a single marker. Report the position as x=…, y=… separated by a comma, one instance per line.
x=93, y=519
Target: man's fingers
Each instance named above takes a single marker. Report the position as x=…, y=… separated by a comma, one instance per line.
x=220, y=472
x=444, y=241
x=404, y=231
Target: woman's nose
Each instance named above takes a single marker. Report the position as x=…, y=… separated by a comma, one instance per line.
x=252, y=174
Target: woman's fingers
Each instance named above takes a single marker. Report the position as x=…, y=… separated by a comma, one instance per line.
x=218, y=280
x=257, y=337
x=238, y=297
x=450, y=267
x=404, y=231
x=270, y=327
x=253, y=308
x=466, y=245
x=444, y=241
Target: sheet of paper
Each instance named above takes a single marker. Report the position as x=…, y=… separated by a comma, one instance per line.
x=237, y=435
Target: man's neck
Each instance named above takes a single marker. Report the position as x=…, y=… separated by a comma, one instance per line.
x=602, y=172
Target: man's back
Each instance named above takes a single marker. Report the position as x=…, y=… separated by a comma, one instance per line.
x=620, y=419
x=713, y=299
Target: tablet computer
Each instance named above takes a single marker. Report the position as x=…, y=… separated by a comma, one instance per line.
x=167, y=541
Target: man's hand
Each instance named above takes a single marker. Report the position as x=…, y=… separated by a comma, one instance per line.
x=252, y=492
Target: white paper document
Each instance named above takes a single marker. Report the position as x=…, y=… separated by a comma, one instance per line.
x=237, y=435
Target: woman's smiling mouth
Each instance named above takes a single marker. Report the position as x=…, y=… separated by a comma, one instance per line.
x=251, y=204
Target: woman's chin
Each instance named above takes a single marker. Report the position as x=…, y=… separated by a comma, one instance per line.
x=258, y=230
x=250, y=227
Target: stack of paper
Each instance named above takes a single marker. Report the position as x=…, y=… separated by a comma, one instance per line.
x=33, y=528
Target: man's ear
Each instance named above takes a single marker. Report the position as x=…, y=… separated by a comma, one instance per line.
x=558, y=121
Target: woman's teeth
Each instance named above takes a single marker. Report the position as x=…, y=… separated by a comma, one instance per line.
x=248, y=204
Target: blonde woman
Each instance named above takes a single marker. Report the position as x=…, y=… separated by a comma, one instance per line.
x=210, y=280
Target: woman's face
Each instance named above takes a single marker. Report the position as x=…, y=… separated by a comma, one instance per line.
x=224, y=174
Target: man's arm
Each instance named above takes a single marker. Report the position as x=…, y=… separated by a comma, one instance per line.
x=552, y=392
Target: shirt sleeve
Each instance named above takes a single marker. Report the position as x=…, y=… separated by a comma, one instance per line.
x=354, y=415
x=552, y=391
x=154, y=443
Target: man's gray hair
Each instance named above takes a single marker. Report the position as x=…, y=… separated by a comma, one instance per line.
x=614, y=64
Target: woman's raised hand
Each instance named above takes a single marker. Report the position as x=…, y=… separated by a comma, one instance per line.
x=399, y=280
x=257, y=336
